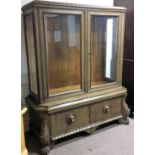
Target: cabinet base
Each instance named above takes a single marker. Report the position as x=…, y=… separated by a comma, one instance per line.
x=57, y=123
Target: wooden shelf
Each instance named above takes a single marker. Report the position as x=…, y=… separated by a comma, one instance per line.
x=96, y=83
x=64, y=89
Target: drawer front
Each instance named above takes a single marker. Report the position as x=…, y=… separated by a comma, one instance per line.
x=66, y=121
x=103, y=110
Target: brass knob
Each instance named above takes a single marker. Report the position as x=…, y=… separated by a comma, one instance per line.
x=70, y=119
x=107, y=109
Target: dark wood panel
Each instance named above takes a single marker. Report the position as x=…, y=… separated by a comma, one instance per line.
x=128, y=62
x=129, y=27
x=128, y=80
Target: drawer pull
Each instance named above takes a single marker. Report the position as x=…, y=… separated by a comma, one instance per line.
x=107, y=109
x=70, y=119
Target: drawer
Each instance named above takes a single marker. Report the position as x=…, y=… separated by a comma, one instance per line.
x=103, y=110
x=66, y=121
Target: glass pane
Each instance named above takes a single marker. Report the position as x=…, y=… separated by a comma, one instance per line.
x=64, y=52
x=31, y=53
x=103, y=49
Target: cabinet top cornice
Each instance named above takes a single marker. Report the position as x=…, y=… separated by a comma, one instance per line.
x=38, y=3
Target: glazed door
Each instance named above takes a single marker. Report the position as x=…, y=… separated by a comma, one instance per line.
x=64, y=51
x=103, y=48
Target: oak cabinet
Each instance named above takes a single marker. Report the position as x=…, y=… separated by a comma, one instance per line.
x=74, y=55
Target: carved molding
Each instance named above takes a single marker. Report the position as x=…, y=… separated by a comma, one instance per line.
x=70, y=5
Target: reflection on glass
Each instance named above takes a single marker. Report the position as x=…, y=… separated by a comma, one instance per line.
x=31, y=53
x=103, y=49
x=64, y=52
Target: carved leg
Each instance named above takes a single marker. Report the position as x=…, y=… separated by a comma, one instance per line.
x=44, y=137
x=125, y=113
x=132, y=113
x=32, y=128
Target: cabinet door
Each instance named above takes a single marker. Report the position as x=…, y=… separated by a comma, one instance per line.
x=104, y=52
x=64, y=51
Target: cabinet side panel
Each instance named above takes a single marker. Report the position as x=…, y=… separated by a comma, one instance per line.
x=29, y=32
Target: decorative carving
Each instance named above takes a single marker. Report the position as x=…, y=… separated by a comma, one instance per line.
x=125, y=113
x=44, y=135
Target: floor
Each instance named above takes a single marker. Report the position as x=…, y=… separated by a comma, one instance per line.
x=110, y=139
